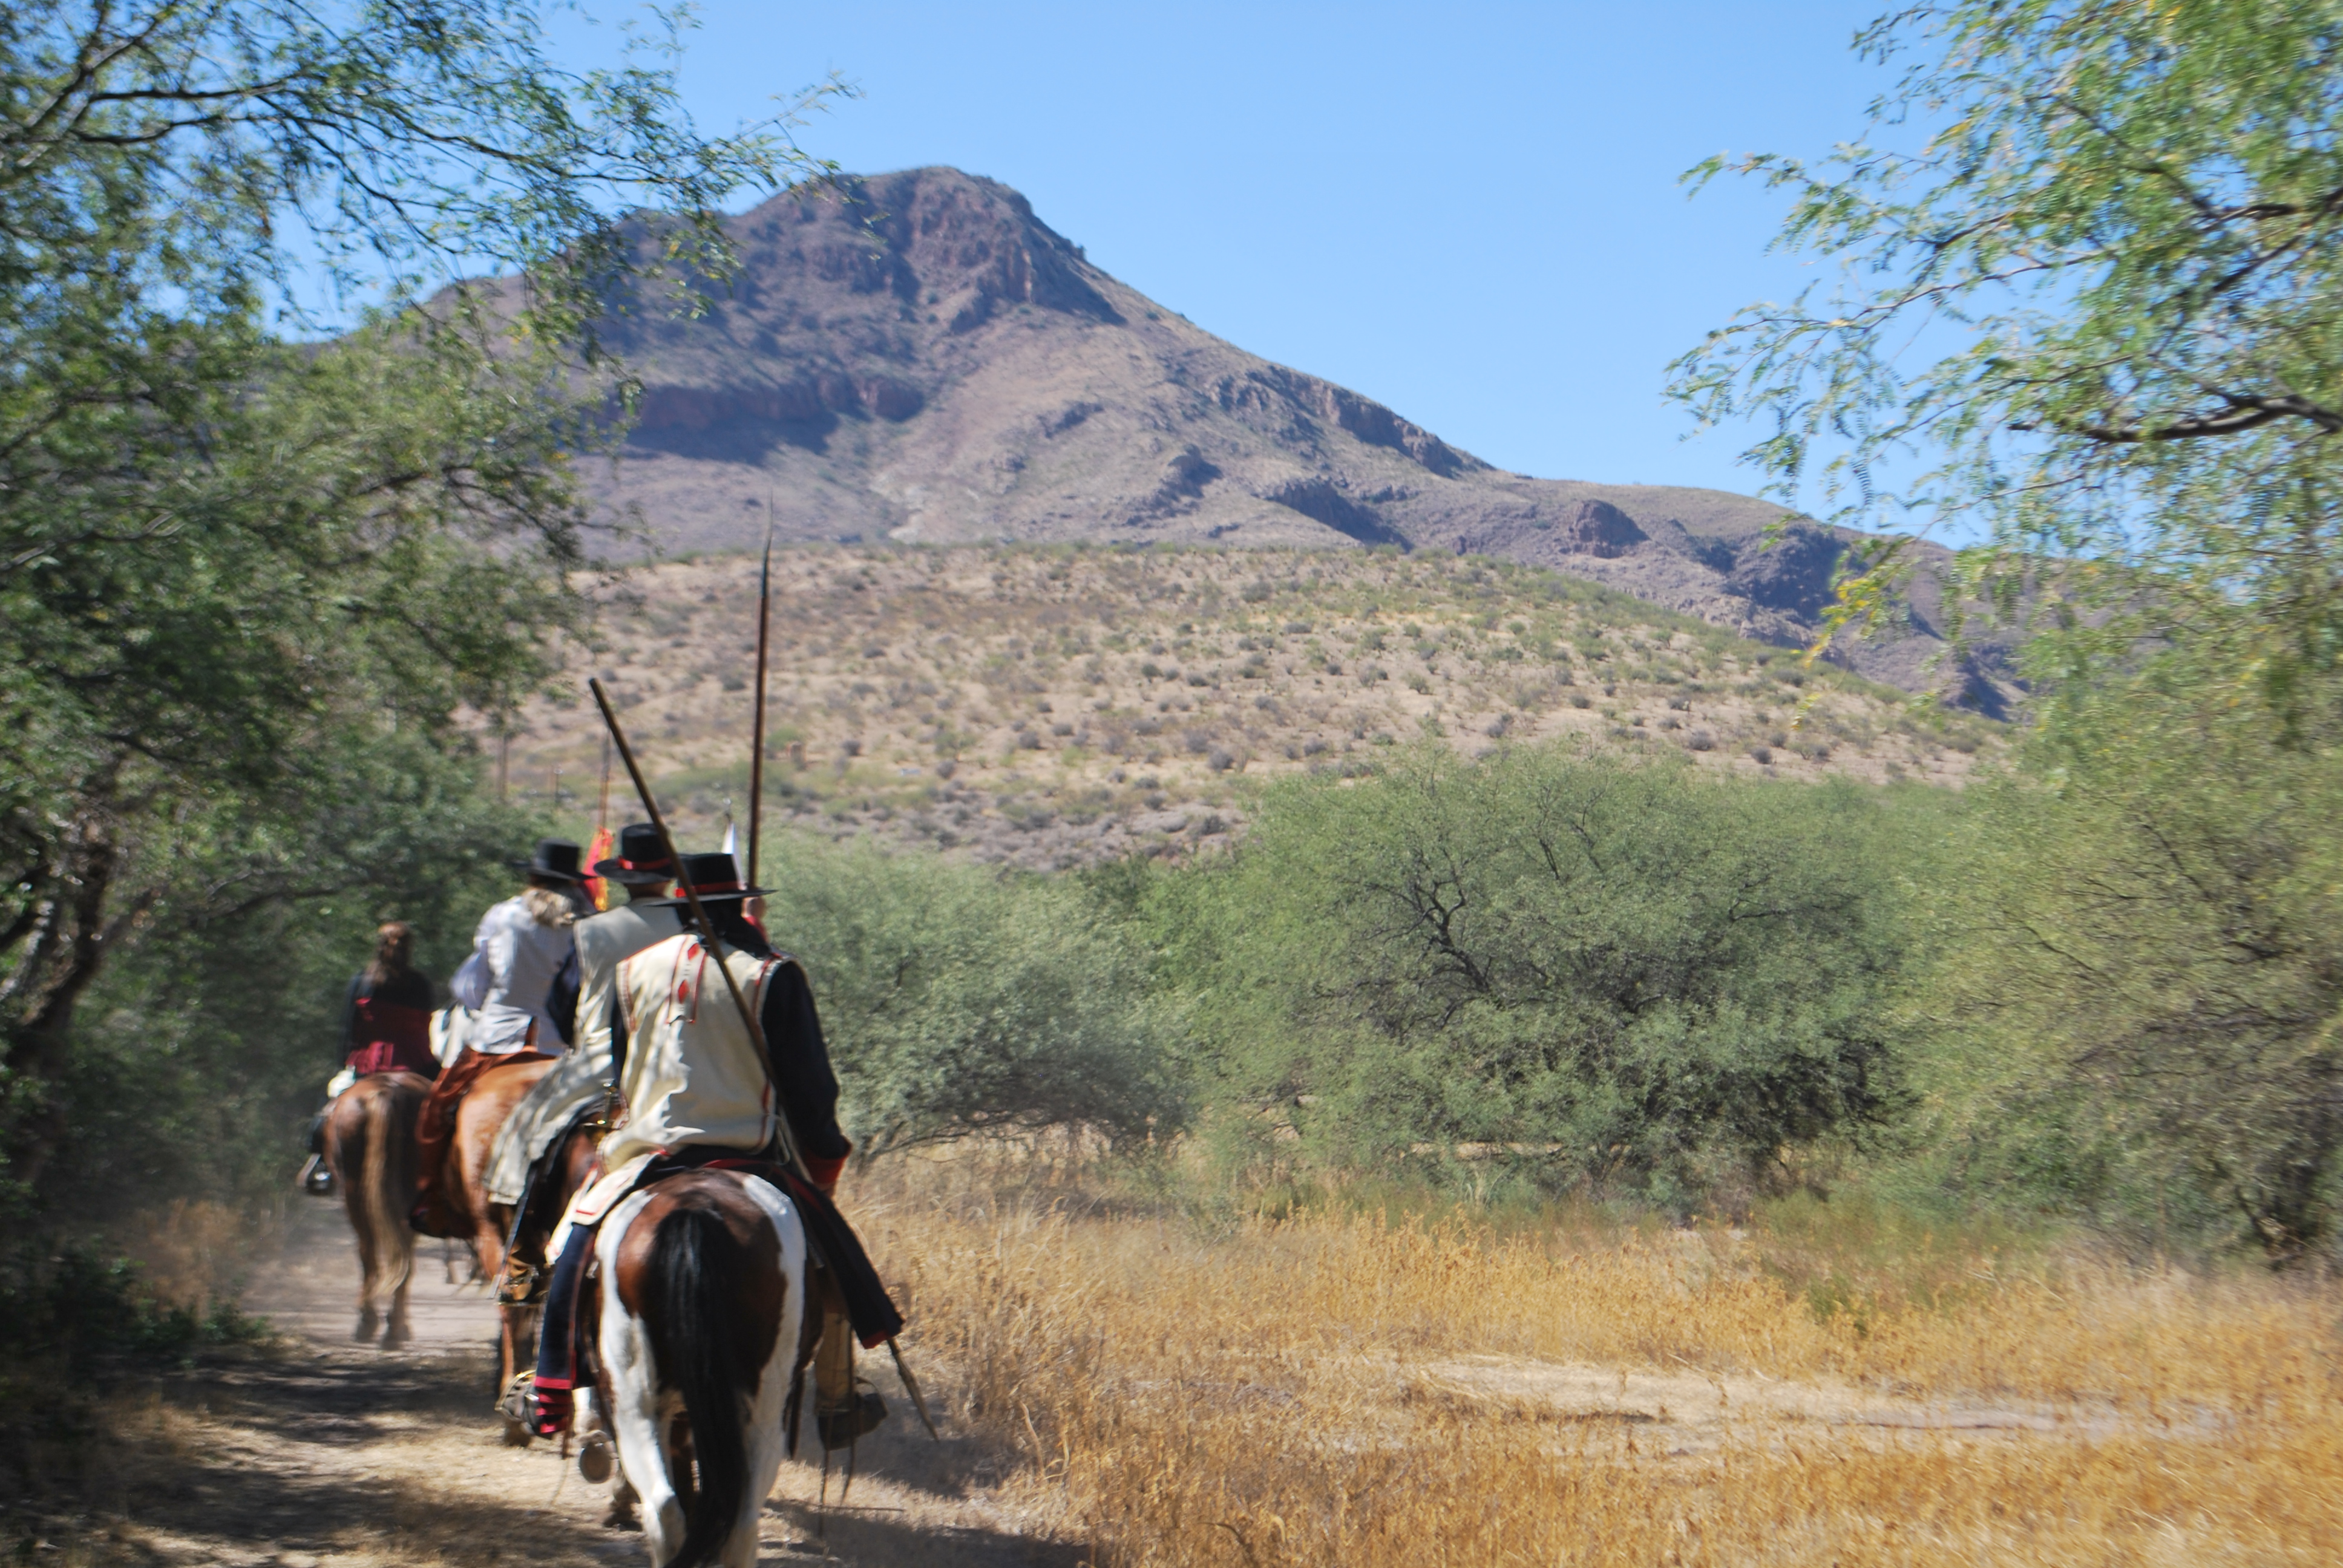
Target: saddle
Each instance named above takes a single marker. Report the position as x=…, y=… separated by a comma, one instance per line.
x=440, y=1209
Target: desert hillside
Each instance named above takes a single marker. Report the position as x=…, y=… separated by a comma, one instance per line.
x=918, y=358
x=1051, y=707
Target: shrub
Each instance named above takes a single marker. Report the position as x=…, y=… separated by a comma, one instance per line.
x=1632, y=974
x=959, y=1000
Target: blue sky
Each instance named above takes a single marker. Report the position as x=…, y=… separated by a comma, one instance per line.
x=1470, y=212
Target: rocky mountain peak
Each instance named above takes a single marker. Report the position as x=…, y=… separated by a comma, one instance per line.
x=917, y=357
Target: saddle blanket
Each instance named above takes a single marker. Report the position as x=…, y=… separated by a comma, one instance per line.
x=598, y=1197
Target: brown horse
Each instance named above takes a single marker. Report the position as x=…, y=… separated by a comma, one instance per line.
x=370, y=1149
x=699, y=1311
x=478, y=1117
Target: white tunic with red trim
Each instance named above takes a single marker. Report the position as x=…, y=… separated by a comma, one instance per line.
x=693, y=1074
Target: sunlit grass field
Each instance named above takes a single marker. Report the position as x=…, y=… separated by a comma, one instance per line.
x=1357, y=1386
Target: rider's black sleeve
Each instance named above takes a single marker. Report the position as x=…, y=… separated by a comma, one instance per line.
x=618, y=1040
x=808, y=1089
x=561, y=1000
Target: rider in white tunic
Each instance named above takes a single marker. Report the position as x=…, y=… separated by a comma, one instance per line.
x=584, y=1077
x=697, y=1090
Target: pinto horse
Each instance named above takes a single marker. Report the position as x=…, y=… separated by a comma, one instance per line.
x=370, y=1149
x=701, y=1308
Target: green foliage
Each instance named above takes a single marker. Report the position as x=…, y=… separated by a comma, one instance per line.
x=2142, y=987
x=245, y=585
x=2102, y=292
x=1621, y=973
x=80, y=1310
x=966, y=1000
x=2118, y=245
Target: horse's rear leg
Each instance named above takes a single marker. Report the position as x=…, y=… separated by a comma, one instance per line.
x=637, y=1421
x=369, y=1265
x=398, y=1334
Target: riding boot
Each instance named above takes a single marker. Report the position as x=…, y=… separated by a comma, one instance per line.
x=841, y=1414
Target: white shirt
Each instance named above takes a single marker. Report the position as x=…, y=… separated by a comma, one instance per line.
x=602, y=943
x=576, y=1080
x=522, y=957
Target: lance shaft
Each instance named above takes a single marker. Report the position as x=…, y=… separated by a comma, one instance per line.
x=707, y=927
x=757, y=741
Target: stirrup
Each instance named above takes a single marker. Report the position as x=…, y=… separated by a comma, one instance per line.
x=316, y=1178
x=519, y=1401
x=840, y=1426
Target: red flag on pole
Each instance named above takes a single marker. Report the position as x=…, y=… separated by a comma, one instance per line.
x=600, y=850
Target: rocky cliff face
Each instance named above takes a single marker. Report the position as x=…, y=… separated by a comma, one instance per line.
x=916, y=357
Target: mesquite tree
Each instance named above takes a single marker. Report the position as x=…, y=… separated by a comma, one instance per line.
x=246, y=583
x=2092, y=264
x=2094, y=280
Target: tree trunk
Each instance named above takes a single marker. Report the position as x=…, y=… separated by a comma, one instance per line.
x=66, y=952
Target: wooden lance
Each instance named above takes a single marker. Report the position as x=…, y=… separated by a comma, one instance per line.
x=757, y=734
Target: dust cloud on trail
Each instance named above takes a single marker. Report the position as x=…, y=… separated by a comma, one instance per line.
x=320, y=1453
x=311, y=1288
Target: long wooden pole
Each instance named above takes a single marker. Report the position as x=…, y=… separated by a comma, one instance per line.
x=757, y=743
x=699, y=918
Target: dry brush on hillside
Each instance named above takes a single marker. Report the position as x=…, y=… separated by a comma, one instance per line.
x=1053, y=707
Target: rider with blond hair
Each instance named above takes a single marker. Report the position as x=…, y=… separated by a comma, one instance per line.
x=524, y=944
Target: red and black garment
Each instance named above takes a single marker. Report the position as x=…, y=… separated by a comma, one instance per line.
x=387, y=1025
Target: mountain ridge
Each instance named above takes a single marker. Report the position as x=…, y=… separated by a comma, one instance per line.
x=918, y=358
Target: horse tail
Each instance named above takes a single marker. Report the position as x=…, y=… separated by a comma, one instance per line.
x=700, y=1343
x=389, y=1182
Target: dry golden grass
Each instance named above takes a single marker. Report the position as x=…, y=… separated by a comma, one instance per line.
x=1339, y=1389
x=1052, y=706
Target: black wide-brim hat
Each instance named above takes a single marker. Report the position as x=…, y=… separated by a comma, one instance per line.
x=556, y=857
x=641, y=861
x=715, y=877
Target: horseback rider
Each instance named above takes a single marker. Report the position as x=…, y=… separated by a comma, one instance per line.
x=386, y=1015
x=525, y=944
x=583, y=1080
x=697, y=1093
x=385, y=1027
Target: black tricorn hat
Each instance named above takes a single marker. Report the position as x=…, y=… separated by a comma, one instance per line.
x=715, y=877
x=556, y=857
x=641, y=861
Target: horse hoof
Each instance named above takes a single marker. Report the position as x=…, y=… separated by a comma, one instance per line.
x=516, y=1434
x=620, y=1519
x=397, y=1339
x=367, y=1324
x=594, y=1458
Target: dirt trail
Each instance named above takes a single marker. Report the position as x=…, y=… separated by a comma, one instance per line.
x=320, y=1453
